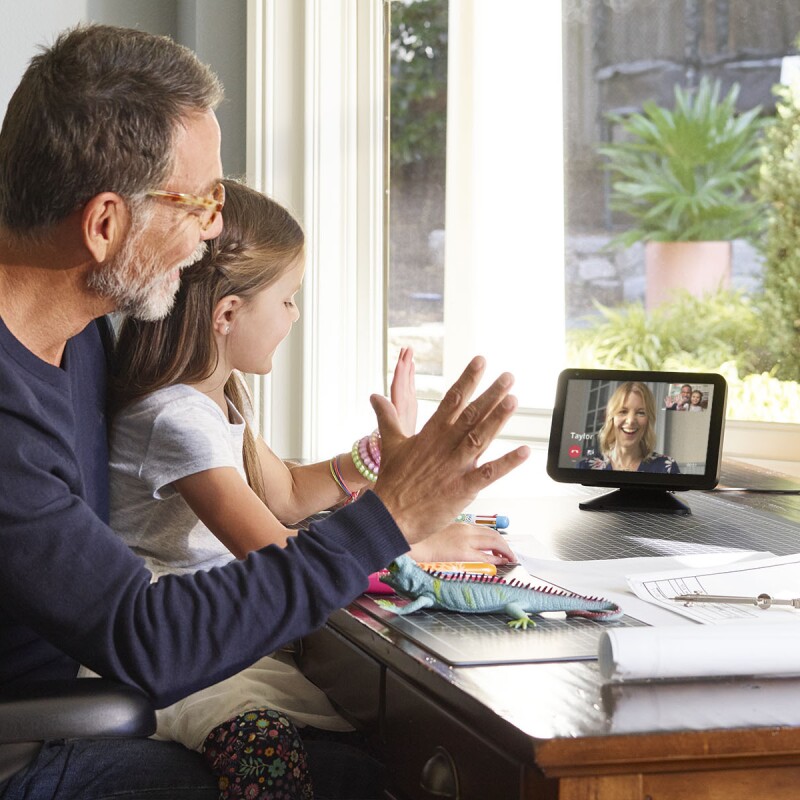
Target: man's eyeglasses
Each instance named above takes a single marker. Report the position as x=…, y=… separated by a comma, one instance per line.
x=208, y=207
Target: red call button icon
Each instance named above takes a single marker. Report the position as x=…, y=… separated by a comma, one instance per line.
x=574, y=451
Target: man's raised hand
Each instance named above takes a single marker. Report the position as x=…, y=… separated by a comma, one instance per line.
x=426, y=480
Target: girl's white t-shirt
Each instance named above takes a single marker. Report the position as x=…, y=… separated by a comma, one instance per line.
x=170, y=434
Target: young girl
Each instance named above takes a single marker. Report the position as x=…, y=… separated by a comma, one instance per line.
x=192, y=487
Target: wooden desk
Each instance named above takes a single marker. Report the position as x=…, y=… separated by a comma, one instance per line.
x=550, y=730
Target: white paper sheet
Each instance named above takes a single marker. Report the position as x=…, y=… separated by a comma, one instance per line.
x=731, y=640
x=744, y=640
x=608, y=578
x=778, y=577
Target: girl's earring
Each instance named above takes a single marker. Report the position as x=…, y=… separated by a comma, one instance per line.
x=227, y=330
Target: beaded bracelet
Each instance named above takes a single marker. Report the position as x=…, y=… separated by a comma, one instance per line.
x=374, y=447
x=366, y=457
x=336, y=474
x=369, y=474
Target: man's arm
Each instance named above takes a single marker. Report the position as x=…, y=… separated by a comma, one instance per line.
x=76, y=584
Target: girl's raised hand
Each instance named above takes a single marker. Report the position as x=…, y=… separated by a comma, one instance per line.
x=461, y=541
x=404, y=391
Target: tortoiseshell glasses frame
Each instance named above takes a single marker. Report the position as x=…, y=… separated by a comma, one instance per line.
x=209, y=206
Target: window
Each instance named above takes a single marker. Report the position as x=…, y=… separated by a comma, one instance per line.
x=617, y=54
x=622, y=56
x=477, y=268
x=317, y=143
x=418, y=68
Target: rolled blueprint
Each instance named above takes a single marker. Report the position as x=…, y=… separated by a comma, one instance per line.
x=695, y=651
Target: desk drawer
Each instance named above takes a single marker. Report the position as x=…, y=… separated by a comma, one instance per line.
x=427, y=745
x=350, y=678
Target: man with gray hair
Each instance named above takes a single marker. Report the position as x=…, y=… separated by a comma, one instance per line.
x=109, y=184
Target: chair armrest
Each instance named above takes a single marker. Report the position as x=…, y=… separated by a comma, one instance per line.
x=74, y=709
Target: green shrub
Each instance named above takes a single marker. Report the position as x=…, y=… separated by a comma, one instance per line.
x=762, y=397
x=419, y=82
x=780, y=187
x=687, y=333
x=687, y=173
x=723, y=332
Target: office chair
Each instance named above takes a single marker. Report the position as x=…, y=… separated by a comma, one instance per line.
x=74, y=709
x=89, y=708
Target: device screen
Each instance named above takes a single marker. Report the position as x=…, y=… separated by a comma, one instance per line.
x=629, y=428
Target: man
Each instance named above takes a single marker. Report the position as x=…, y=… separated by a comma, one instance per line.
x=109, y=173
x=681, y=403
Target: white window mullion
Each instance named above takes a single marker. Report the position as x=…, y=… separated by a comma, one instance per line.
x=371, y=328
x=275, y=164
x=344, y=202
x=330, y=209
x=315, y=120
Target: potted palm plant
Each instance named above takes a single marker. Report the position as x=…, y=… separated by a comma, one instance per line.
x=684, y=176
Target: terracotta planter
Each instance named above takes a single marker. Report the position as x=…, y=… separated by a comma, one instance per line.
x=698, y=267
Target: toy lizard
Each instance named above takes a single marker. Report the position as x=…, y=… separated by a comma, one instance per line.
x=485, y=594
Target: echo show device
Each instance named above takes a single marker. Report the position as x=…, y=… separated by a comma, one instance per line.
x=646, y=434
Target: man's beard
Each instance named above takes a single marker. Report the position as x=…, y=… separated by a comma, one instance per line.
x=136, y=279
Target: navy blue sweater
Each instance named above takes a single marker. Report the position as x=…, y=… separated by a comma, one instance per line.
x=72, y=592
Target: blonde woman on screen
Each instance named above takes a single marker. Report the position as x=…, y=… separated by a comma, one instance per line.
x=628, y=436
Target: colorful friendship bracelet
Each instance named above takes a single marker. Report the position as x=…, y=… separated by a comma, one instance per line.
x=336, y=474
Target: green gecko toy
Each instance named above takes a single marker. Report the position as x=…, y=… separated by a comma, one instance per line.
x=485, y=594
